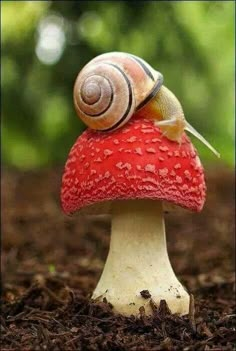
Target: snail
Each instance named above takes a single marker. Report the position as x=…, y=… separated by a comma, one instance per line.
x=115, y=86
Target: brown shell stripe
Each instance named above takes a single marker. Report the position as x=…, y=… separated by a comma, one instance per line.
x=156, y=87
x=154, y=91
x=129, y=103
x=144, y=67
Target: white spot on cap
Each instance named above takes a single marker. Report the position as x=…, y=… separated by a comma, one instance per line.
x=76, y=181
x=184, y=187
x=122, y=165
x=156, y=140
x=107, y=174
x=163, y=148
x=177, y=166
x=150, y=168
x=151, y=150
x=151, y=180
x=163, y=172
x=138, y=151
x=132, y=139
x=187, y=175
x=107, y=152
x=179, y=180
x=145, y=125
x=193, y=189
x=124, y=131
x=82, y=157
x=198, y=162
x=98, y=159
x=147, y=131
x=133, y=177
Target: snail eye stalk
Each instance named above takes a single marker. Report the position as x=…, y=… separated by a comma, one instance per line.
x=194, y=132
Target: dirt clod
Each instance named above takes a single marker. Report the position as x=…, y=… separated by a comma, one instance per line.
x=145, y=294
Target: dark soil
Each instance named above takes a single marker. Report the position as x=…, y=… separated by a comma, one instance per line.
x=51, y=264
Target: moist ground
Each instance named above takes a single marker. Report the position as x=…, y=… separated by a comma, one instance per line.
x=51, y=264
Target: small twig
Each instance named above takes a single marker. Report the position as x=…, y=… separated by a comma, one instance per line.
x=16, y=317
x=153, y=306
x=53, y=296
x=192, y=313
x=59, y=323
x=12, y=341
x=33, y=310
x=225, y=318
x=59, y=334
x=105, y=320
x=163, y=309
x=206, y=330
x=36, y=319
x=72, y=340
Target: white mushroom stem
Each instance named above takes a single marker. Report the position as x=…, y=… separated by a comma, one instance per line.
x=138, y=260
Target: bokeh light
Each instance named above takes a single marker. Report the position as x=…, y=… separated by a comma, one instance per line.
x=51, y=39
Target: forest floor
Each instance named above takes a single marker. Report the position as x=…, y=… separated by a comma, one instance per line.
x=51, y=264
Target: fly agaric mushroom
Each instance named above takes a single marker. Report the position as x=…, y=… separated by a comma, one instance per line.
x=132, y=170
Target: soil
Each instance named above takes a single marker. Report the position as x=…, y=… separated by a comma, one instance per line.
x=51, y=264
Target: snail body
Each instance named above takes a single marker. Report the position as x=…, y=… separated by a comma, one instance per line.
x=167, y=113
x=116, y=86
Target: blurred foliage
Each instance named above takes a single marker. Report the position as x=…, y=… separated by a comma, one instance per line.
x=45, y=44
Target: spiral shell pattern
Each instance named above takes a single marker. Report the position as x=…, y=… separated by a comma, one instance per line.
x=111, y=87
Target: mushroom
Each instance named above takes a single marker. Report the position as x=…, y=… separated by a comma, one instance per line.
x=131, y=172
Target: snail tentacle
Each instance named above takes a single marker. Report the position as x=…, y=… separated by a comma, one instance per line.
x=166, y=122
x=194, y=132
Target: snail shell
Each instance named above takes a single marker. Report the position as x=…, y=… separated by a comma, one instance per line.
x=112, y=87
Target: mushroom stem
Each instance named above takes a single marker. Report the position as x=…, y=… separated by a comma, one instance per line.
x=138, y=260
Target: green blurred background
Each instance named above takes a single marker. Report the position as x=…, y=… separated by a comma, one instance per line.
x=45, y=44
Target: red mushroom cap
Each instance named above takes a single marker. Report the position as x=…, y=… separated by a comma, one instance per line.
x=133, y=162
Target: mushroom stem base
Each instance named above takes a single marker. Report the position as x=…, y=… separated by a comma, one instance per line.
x=138, y=261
